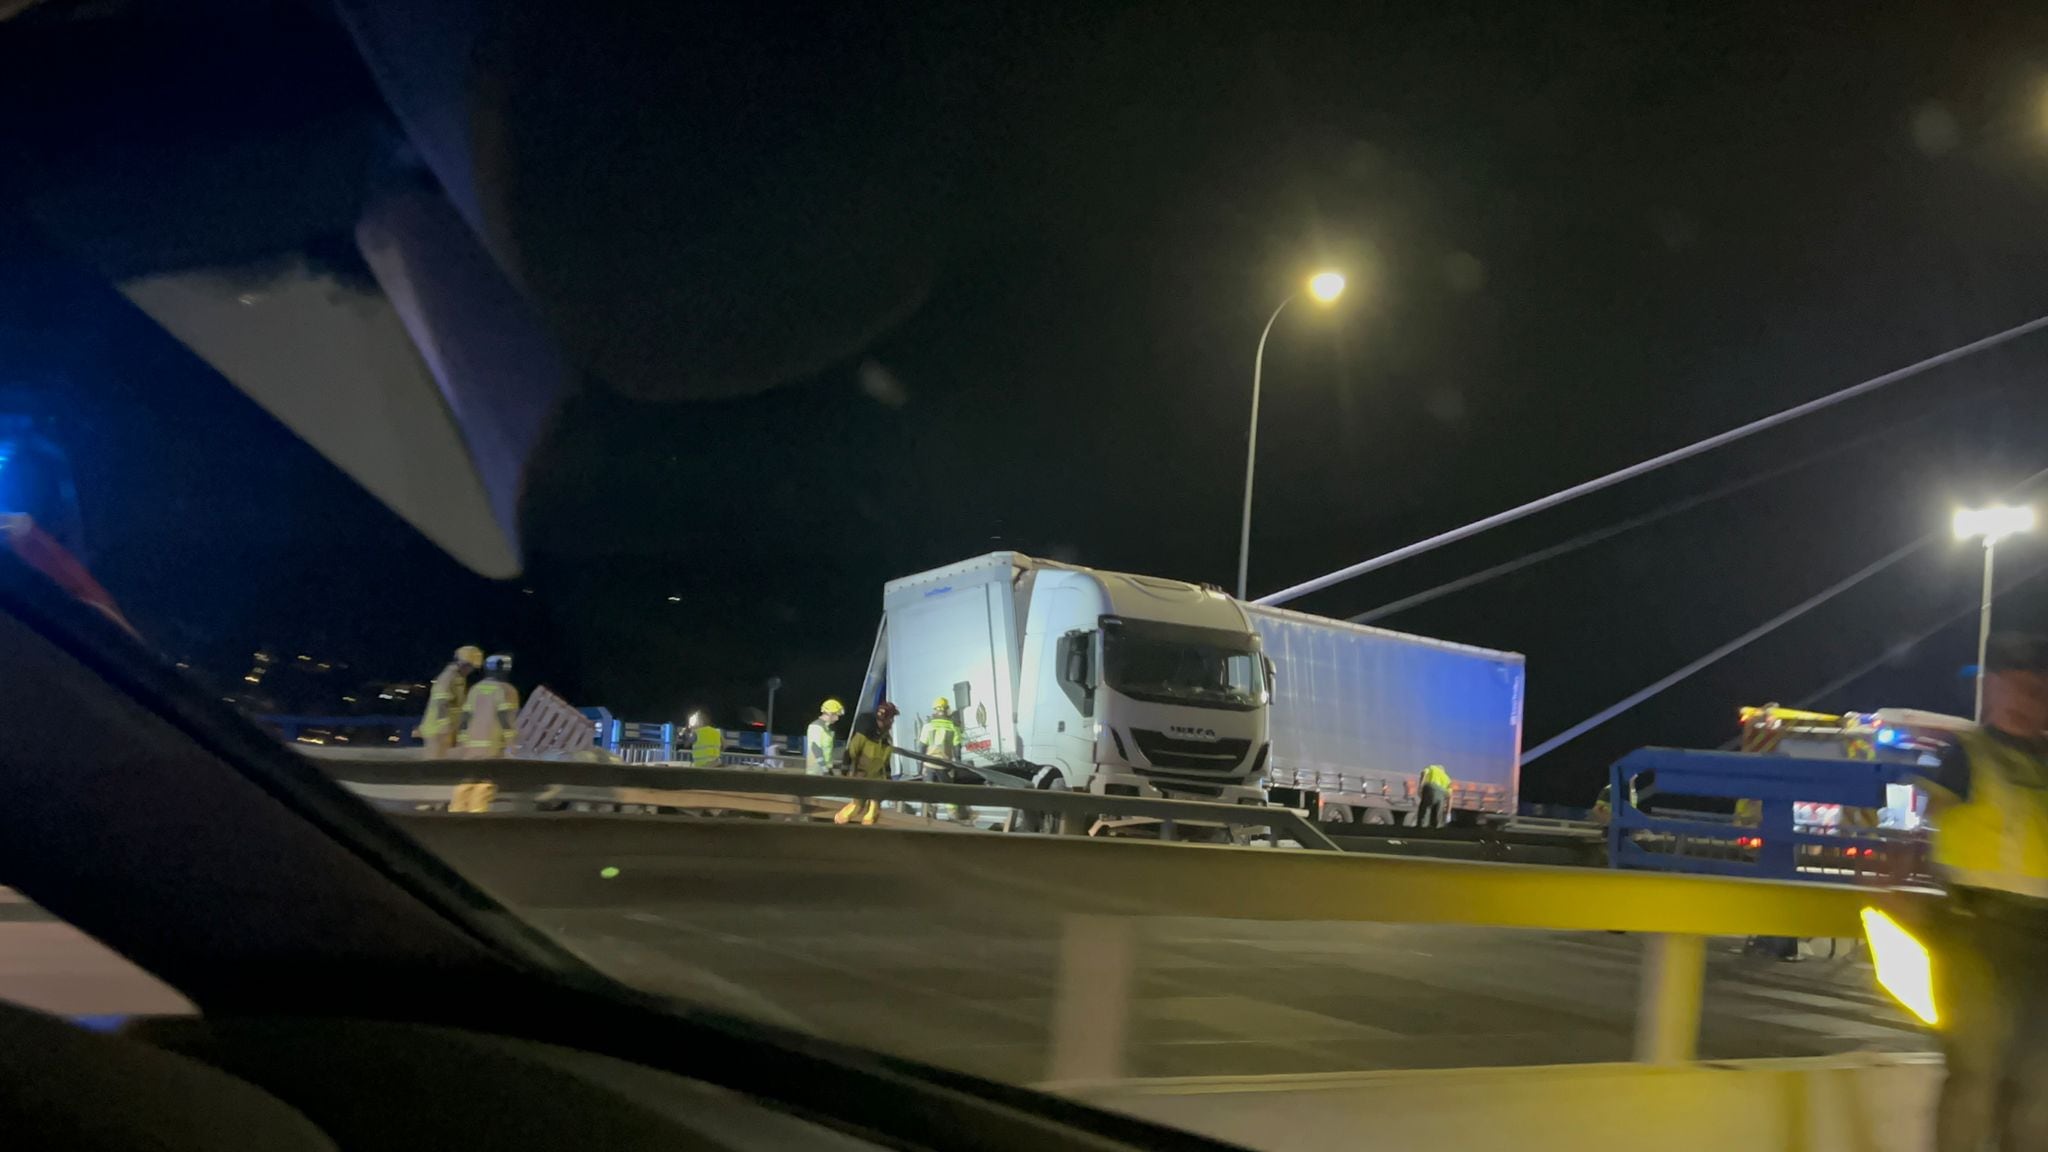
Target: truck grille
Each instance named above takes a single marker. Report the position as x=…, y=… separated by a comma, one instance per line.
x=1177, y=786
x=1218, y=757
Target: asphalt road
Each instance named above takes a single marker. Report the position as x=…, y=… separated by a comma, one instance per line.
x=965, y=973
x=972, y=984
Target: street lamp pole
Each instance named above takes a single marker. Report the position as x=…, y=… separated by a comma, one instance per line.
x=1990, y=525
x=1251, y=451
x=1984, y=625
x=1324, y=287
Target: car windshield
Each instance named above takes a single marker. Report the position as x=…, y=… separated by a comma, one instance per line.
x=675, y=463
x=1178, y=664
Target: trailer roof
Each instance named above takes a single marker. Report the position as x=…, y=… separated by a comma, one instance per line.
x=1257, y=610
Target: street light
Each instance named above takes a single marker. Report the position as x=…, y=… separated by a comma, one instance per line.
x=1324, y=288
x=1991, y=525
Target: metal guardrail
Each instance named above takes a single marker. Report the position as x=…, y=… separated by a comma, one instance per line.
x=1101, y=885
x=533, y=780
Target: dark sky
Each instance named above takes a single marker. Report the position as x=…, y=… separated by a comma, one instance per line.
x=1579, y=235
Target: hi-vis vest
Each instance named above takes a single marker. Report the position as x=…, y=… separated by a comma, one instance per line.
x=941, y=738
x=1437, y=776
x=707, y=748
x=818, y=747
x=1998, y=838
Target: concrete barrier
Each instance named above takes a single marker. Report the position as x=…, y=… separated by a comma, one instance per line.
x=1852, y=1104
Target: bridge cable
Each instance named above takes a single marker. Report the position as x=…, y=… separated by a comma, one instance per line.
x=1653, y=463
x=1747, y=638
x=1598, y=535
x=1868, y=666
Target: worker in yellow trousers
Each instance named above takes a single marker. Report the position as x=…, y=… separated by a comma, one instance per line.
x=867, y=758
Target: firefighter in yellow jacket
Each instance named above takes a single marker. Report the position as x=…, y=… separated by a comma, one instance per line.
x=941, y=737
x=490, y=714
x=444, y=702
x=868, y=756
x=1989, y=802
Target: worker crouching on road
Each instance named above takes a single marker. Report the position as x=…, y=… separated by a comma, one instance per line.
x=490, y=714
x=819, y=739
x=1990, y=942
x=444, y=702
x=867, y=758
x=941, y=738
x=1433, y=805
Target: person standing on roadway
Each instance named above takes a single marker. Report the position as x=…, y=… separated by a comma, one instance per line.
x=1989, y=801
x=707, y=744
x=818, y=740
x=445, y=700
x=1433, y=805
x=867, y=758
x=941, y=738
x=490, y=713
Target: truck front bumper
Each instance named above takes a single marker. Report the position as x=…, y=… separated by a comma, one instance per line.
x=1110, y=782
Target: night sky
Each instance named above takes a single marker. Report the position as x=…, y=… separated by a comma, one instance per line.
x=1578, y=235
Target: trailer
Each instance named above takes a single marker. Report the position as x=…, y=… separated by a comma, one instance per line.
x=1358, y=712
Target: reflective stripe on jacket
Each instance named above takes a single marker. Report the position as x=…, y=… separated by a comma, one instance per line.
x=1997, y=839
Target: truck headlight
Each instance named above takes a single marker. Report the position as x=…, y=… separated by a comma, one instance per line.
x=1904, y=966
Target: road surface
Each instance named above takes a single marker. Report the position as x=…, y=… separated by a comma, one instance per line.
x=973, y=986
x=966, y=971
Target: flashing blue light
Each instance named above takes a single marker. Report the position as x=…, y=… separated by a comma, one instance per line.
x=1887, y=736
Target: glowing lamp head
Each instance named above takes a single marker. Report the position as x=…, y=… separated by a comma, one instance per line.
x=1994, y=523
x=1326, y=286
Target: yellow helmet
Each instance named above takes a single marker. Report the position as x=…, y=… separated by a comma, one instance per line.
x=942, y=705
x=471, y=655
x=833, y=707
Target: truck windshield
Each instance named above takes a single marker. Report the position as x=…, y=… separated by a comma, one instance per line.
x=1178, y=664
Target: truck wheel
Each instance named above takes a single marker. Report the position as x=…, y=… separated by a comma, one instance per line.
x=1046, y=779
x=1375, y=816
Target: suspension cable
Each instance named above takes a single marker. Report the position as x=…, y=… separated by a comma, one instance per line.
x=1654, y=463
x=1751, y=636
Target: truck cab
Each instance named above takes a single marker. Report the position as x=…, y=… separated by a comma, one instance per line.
x=1138, y=686
x=1078, y=678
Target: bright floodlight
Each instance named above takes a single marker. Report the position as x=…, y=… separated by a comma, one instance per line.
x=1326, y=286
x=1994, y=523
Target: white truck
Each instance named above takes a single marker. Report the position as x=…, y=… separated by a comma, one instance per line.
x=1358, y=712
x=1079, y=679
